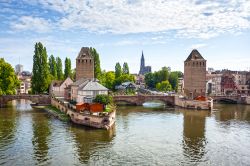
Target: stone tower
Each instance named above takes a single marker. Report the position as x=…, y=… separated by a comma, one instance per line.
x=194, y=75
x=84, y=64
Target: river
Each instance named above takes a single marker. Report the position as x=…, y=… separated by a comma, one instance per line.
x=141, y=136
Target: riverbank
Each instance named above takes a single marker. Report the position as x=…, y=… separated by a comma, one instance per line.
x=57, y=113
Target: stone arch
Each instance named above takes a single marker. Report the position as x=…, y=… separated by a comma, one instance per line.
x=127, y=102
x=226, y=100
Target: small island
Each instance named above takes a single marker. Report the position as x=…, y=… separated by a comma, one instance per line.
x=98, y=114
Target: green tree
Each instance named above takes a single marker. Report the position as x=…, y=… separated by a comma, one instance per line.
x=124, y=78
x=118, y=70
x=67, y=68
x=173, y=80
x=125, y=68
x=164, y=86
x=97, y=66
x=59, y=68
x=109, y=79
x=52, y=66
x=103, y=99
x=8, y=79
x=149, y=80
x=41, y=75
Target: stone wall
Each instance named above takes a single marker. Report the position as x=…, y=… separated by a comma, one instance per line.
x=193, y=104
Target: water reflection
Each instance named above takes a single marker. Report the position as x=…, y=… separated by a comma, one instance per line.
x=194, y=140
x=90, y=141
x=229, y=112
x=41, y=134
x=8, y=118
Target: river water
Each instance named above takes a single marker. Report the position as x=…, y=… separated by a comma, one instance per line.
x=141, y=136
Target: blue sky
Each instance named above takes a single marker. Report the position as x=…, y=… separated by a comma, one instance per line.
x=165, y=30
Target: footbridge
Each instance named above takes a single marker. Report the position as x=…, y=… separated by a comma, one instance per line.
x=38, y=99
x=140, y=99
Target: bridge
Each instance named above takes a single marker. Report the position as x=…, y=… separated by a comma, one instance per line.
x=38, y=99
x=140, y=99
x=227, y=99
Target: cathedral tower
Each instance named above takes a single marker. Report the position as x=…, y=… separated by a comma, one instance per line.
x=84, y=64
x=144, y=69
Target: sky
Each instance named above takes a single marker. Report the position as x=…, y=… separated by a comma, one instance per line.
x=166, y=31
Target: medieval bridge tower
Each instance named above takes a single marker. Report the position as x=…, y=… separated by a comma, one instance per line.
x=84, y=64
x=194, y=75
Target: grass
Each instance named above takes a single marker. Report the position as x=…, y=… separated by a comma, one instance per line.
x=55, y=111
x=110, y=108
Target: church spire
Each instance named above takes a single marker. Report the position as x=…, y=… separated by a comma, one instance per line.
x=142, y=64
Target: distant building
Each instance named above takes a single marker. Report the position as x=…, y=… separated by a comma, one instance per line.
x=195, y=75
x=180, y=85
x=18, y=68
x=126, y=86
x=214, y=84
x=227, y=82
x=144, y=69
x=25, y=82
x=57, y=88
x=84, y=64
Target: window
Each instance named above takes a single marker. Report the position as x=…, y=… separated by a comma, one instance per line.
x=78, y=60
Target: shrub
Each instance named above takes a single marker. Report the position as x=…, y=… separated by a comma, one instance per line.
x=103, y=99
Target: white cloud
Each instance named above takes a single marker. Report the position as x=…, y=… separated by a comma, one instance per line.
x=199, y=45
x=31, y=23
x=187, y=18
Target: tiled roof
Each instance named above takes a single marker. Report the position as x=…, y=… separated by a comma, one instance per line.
x=57, y=83
x=93, y=85
x=79, y=82
x=84, y=53
x=194, y=55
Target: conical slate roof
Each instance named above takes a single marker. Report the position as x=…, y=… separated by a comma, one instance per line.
x=194, y=55
x=84, y=53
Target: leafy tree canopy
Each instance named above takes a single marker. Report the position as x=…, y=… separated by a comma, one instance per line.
x=8, y=79
x=103, y=99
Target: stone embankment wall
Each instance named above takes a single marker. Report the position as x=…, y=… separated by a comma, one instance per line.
x=193, y=104
x=88, y=120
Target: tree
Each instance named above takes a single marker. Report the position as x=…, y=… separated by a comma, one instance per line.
x=109, y=80
x=41, y=76
x=173, y=80
x=125, y=68
x=103, y=99
x=67, y=68
x=52, y=66
x=59, y=68
x=149, y=80
x=164, y=86
x=97, y=66
x=124, y=78
x=118, y=70
x=8, y=79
